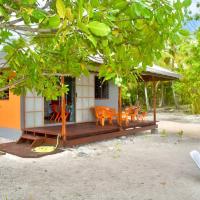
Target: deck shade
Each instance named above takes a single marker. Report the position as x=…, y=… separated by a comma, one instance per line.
x=157, y=73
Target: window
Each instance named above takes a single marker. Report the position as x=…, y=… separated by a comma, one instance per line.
x=101, y=88
x=4, y=95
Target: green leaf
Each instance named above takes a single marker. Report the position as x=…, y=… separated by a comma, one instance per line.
x=120, y=4
x=54, y=21
x=187, y=3
x=105, y=43
x=83, y=27
x=95, y=3
x=184, y=32
x=92, y=39
x=140, y=24
x=138, y=9
x=61, y=10
x=38, y=14
x=26, y=18
x=5, y=35
x=69, y=14
x=2, y=12
x=27, y=2
x=99, y=29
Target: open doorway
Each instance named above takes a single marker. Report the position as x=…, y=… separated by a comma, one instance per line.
x=52, y=108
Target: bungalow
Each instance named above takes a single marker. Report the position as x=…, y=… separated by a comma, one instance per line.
x=33, y=114
x=84, y=93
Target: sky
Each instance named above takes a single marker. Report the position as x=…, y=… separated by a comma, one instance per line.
x=193, y=7
x=193, y=25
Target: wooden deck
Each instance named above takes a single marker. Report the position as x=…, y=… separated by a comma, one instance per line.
x=81, y=133
x=77, y=134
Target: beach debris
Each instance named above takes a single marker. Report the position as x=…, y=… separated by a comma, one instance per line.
x=2, y=153
x=163, y=133
x=180, y=133
x=82, y=154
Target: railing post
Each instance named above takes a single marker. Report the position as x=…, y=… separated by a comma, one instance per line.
x=63, y=111
x=120, y=106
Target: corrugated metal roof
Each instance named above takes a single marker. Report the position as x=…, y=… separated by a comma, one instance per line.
x=160, y=71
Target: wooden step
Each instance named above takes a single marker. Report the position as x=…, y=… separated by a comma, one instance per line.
x=30, y=137
x=40, y=131
x=35, y=140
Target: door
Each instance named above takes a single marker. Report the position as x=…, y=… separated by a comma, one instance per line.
x=49, y=117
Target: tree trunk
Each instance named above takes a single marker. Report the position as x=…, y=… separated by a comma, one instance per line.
x=162, y=96
x=173, y=65
x=175, y=97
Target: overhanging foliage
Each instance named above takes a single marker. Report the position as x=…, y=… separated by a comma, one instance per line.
x=59, y=37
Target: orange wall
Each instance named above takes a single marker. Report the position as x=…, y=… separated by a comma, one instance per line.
x=10, y=112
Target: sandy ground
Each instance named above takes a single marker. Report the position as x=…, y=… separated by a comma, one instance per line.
x=142, y=167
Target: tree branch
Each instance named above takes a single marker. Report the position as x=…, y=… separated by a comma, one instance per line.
x=15, y=21
x=9, y=86
x=27, y=28
x=9, y=8
x=47, y=4
x=3, y=65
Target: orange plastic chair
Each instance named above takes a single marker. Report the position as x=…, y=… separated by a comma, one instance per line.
x=110, y=114
x=60, y=116
x=55, y=114
x=142, y=116
x=100, y=115
x=103, y=112
x=133, y=112
x=125, y=117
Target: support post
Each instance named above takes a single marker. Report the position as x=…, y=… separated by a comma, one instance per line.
x=120, y=106
x=63, y=110
x=155, y=130
x=154, y=101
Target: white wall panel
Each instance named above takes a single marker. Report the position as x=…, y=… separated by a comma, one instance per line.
x=38, y=119
x=39, y=104
x=29, y=104
x=78, y=103
x=34, y=110
x=91, y=91
x=85, y=98
x=84, y=91
x=79, y=90
x=79, y=116
x=91, y=80
x=29, y=119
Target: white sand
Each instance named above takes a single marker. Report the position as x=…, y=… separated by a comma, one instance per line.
x=142, y=167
